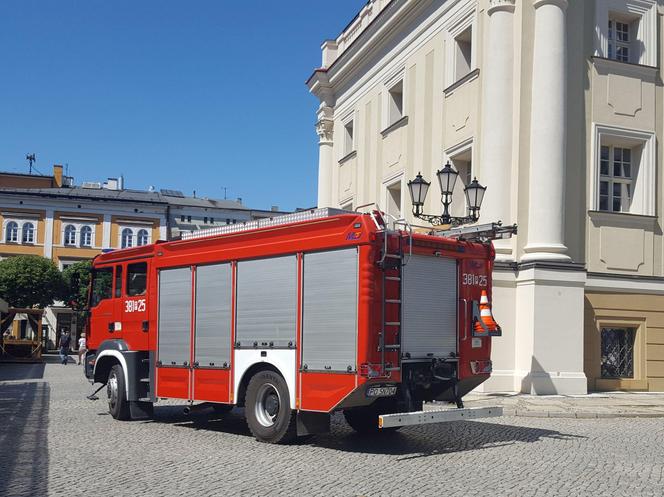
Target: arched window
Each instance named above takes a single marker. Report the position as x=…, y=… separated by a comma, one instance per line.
x=127, y=238
x=11, y=234
x=142, y=237
x=86, y=236
x=28, y=233
x=70, y=234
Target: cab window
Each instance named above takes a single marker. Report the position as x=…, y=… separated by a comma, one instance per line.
x=102, y=285
x=137, y=276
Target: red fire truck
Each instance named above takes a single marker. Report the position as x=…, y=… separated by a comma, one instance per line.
x=294, y=318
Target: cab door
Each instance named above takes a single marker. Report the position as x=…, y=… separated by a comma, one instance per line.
x=102, y=304
x=134, y=305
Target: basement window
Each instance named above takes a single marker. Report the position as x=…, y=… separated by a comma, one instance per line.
x=618, y=352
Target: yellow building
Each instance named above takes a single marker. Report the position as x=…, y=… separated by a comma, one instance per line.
x=49, y=217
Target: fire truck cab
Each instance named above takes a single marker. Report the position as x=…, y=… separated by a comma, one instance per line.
x=294, y=318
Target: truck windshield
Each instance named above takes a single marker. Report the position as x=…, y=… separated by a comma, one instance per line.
x=102, y=285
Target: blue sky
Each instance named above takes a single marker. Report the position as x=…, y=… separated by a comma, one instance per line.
x=190, y=95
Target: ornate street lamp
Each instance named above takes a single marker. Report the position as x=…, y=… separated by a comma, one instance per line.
x=447, y=177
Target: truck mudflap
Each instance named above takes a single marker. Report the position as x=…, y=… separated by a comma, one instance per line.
x=437, y=416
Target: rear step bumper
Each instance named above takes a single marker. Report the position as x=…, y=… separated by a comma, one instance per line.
x=438, y=416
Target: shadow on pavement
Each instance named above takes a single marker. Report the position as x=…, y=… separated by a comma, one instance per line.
x=411, y=442
x=24, y=439
x=21, y=371
x=443, y=438
x=232, y=422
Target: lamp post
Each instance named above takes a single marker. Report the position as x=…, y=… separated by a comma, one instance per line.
x=447, y=177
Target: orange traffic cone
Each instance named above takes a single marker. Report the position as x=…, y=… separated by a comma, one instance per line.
x=486, y=317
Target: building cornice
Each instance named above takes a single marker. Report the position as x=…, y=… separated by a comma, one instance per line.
x=388, y=21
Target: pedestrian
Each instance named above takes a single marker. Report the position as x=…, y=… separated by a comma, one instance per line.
x=82, y=348
x=65, y=340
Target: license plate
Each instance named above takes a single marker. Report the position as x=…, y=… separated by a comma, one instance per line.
x=382, y=391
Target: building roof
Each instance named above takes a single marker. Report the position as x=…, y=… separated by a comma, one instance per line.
x=126, y=195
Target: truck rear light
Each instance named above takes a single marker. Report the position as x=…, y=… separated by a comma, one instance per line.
x=481, y=367
x=370, y=370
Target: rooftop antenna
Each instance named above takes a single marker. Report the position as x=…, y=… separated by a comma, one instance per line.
x=224, y=192
x=31, y=158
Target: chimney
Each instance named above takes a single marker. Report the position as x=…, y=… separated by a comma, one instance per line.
x=57, y=175
x=275, y=208
x=330, y=50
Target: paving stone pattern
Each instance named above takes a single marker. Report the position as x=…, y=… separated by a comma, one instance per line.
x=54, y=442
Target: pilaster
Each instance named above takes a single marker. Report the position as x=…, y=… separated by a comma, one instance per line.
x=325, y=131
x=106, y=232
x=549, y=328
x=48, y=234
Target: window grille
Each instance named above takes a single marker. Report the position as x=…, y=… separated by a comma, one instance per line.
x=618, y=352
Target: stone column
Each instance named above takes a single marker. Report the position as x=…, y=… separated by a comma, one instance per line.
x=325, y=130
x=547, y=134
x=497, y=121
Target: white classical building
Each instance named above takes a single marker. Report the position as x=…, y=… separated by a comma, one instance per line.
x=557, y=107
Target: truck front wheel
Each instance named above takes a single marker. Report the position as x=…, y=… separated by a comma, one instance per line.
x=267, y=409
x=116, y=390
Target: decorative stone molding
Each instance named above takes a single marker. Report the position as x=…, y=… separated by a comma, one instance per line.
x=325, y=130
x=560, y=3
x=325, y=125
x=504, y=5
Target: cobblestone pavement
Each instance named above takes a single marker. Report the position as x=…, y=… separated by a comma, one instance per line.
x=54, y=442
x=594, y=405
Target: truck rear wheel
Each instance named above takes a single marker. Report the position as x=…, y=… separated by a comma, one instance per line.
x=267, y=409
x=116, y=390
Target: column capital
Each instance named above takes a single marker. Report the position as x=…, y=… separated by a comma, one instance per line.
x=325, y=125
x=501, y=5
x=560, y=3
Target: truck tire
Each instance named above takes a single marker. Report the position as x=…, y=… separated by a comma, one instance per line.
x=116, y=390
x=267, y=409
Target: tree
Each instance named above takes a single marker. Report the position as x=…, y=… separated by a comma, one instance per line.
x=30, y=281
x=77, y=279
